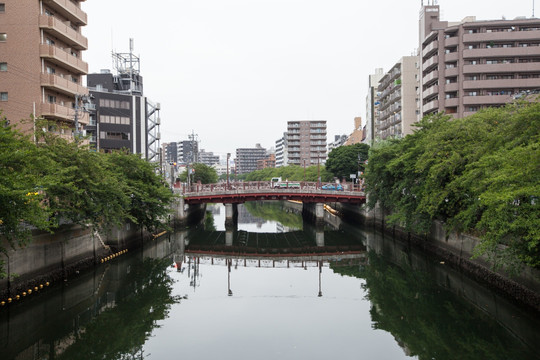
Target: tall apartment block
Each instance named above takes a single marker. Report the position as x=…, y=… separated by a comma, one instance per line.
x=397, y=97
x=306, y=142
x=372, y=104
x=41, y=65
x=208, y=158
x=246, y=159
x=469, y=65
x=282, y=156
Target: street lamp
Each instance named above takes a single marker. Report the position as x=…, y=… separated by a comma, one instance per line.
x=228, y=157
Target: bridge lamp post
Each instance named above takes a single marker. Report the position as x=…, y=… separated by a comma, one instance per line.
x=228, y=157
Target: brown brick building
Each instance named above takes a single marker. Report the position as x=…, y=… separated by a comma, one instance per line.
x=41, y=67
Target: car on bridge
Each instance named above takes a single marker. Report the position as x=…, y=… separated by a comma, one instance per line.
x=336, y=187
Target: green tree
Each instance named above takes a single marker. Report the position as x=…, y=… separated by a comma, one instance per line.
x=345, y=160
x=478, y=175
x=202, y=172
x=21, y=193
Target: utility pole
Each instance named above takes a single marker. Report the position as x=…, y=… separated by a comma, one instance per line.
x=85, y=99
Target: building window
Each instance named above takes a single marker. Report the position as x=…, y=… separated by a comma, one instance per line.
x=51, y=99
x=51, y=70
x=3, y=37
x=49, y=41
x=3, y=96
x=2, y=7
x=3, y=66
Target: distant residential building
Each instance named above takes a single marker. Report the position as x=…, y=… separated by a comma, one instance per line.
x=208, y=158
x=170, y=152
x=268, y=162
x=470, y=65
x=358, y=134
x=372, y=105
x=282, y=157
x=398, y=107
x=188, y=151
x=246, y=159
x=339, y=140
x=306, y=142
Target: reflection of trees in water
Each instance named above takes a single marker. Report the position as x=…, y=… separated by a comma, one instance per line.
x=428, y=321
x=209, y=223
x=275, y=211
x=146, y=300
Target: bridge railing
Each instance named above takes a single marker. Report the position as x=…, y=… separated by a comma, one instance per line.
x=223, y=187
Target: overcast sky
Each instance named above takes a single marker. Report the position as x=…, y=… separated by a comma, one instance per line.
x=235, y=71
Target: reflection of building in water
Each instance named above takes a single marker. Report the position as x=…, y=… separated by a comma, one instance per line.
x=282, y=228
x=215, y=209
x=245, y=217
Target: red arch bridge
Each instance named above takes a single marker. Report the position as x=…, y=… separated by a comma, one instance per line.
x=313, y=195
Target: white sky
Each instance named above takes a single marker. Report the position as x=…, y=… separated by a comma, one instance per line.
x=235, y=71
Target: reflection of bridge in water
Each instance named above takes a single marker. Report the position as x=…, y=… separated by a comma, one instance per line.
x=295, y=244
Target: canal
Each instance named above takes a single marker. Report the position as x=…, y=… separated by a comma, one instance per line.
x=272, y=288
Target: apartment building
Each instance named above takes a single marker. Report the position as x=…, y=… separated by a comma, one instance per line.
x=306, y=142
x=372, y=105
x=267, y=162
x=472, y=64
x=246, y=159
x=282, y=156
x=397, y=98
x=208, y=158
x=41, y=66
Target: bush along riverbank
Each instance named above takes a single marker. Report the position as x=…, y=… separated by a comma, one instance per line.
x=477, y=175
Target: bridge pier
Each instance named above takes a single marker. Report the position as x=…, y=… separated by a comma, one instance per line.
x=231, y=216
x=314, y=211
x=179, y=218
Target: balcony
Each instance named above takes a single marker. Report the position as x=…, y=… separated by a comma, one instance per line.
x=432, y=47
x=432, y=62
x=63, y=32
x=451, y=87
x=501, y=84
x=430, y=91
x=454, y=40
x=430, y=106
x=62, y=85
x=487, y=100
x=63, y=58
x=501, y=36
x=453, y=56
x=69, y=10
x=501, y=52
x=450, y=72
x=64, y=113
x=434, y=75
x=451, y=102
x=506, y=68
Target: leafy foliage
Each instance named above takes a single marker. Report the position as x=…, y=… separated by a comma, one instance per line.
x=479, y=175
x=345, y=160
x=59, y=181
x=203, y=173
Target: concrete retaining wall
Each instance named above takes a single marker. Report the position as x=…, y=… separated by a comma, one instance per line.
x=53, y=257
x=456, y=250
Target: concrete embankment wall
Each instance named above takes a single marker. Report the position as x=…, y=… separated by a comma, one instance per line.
x=456, y=250
x=53, y=257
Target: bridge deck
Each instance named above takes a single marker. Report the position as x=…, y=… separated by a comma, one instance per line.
x=256, y=191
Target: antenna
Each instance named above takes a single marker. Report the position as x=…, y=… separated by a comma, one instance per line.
x=533, y=10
